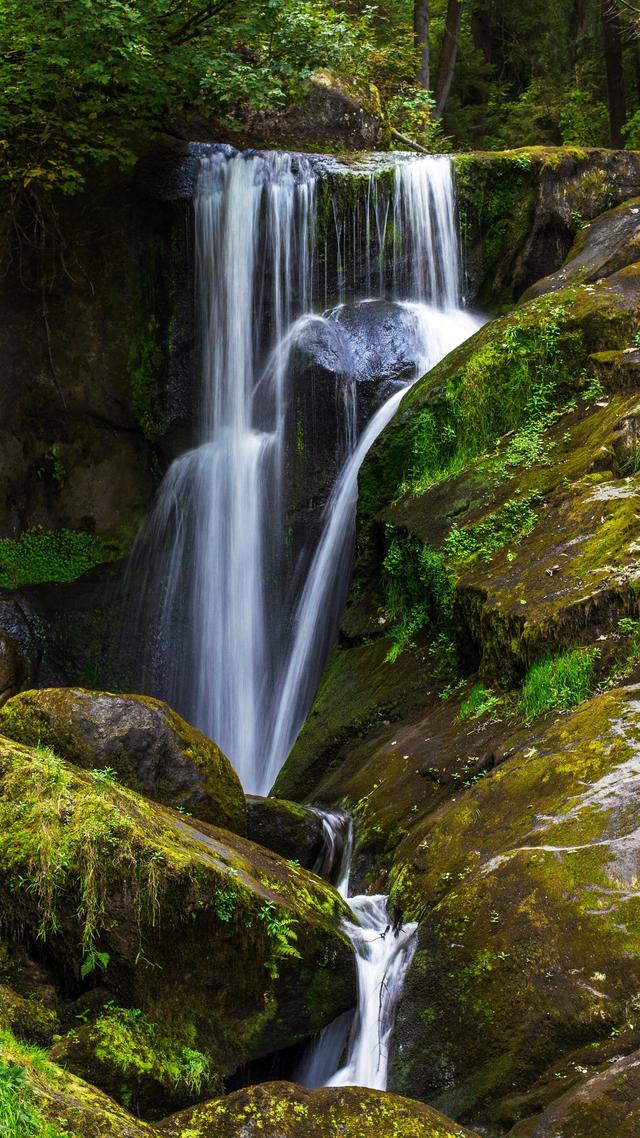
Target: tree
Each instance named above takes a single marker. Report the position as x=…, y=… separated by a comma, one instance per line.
x=448, y=54
x=612, y=37
x=421, y=41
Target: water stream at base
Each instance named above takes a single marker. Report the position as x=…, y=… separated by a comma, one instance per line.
x=383, y=952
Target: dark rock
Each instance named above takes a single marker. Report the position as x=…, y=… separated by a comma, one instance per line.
x=149, y=747
x=288, y=829
x=602, y=247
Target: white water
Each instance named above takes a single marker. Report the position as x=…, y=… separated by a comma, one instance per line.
x=383, y=954
x=229, y=651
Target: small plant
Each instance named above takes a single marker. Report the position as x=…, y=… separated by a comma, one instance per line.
x=224, y=904
x=281, y=933
x=19, y=1115
x=593, y=390
x=105, y=774
x=480, y=702
x=560, y=682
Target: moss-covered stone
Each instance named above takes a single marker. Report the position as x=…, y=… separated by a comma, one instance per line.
x=291, y=830
x=145, y=745
x=282, y=1110
x=222, y=945
x=529, y=945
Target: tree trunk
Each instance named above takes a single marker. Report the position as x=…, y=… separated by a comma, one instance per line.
x=448, y=53
x=612, y=35
x=421, y=40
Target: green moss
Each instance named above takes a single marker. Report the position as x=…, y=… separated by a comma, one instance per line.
x=58, y=555
x=148, y=382
x=558, y=682
x=418, y=589
x=19, y=1113
x=124, y=1039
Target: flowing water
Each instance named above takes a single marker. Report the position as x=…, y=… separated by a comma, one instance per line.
x=235, y=649
x=383, y=953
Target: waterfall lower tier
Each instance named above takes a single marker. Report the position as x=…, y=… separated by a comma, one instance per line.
x=383, y=952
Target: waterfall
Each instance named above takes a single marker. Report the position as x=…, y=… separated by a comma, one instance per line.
x=238, y=633
x=383, y=952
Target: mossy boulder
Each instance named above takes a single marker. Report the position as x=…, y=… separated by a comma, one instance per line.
x=54, y=1103
x=222, y=947
x=529, y=942
x=283, y=1110
x=606, y=1101
x=521, y=210
x=291, y=830
x=148, y=746
x=602, y=247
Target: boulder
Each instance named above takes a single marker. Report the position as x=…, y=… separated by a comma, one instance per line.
x=606, y=1101
x=209, y=950
x=602, y=247
x=529, y=942
x=283, y=1110
x=146, y=744
x=293, y=831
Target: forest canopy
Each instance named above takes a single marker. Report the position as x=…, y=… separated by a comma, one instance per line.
x=82, y=81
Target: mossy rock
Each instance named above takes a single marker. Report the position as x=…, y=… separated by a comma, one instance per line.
x=602, y=247
x=146, y=744
x=222, y=946
x=54, y=1103
x=283, y=1110
x=606, y=1101
x=291, y=830
x=529, y=942
x=521, y=210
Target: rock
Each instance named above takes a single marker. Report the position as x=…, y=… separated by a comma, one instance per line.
x=209, y=950
x=148, y=746
x=54, y=1101
x=524, y=207
x=283, y=1110
x=606, y=1102
x=473, y=507
x=602, y=247
x=288, y=829
x=528, y=944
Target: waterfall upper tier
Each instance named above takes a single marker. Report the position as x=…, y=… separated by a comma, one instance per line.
x=242, y=602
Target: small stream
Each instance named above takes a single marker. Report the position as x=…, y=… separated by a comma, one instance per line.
x=383, y=952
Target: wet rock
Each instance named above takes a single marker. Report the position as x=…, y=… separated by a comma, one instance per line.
x=282, y=1110
x=210, y=950
x=603, y=247
x=148, y=746
x=527, y=947
x=605, y=1102
x=288, y=829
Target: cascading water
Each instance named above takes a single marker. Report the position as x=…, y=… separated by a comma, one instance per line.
x=383, y=953
x=237, y=650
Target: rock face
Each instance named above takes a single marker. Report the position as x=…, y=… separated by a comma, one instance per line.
x=209, y=951
x=527, y=950
x=282, y=1110
x=148, y=746
x=604, y=1103
x=523, y=208
x=602, y=247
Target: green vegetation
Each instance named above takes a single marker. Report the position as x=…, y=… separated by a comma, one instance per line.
x=147, y=381
x=418, y=589
x=19, y=1114
x=128, y=1042
x=281, y=934
x=513, y=521
x=57, y=555
x=481, y=701
x=558, y=682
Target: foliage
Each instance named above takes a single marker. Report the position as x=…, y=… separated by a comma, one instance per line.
x=224, y=904
x=47, y=555
x=412, y=113
x=418, y=590
x=19, y=1115
x=281, y=934
x=513, y=521
x=583, y=122
x=127, y=1040
x=561, y=682
x=481, y=701
x=118, y=67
